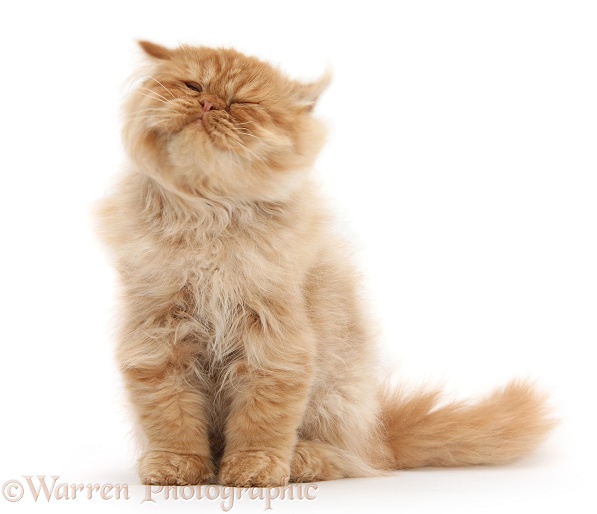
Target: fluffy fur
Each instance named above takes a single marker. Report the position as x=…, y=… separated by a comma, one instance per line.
x=244, y=347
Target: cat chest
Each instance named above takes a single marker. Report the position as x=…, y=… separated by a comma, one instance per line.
x=220, y=279
x=221, y=289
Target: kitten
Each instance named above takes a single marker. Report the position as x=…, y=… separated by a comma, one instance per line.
x=243, y=346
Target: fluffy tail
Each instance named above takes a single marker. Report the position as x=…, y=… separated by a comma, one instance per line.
x=507, y=424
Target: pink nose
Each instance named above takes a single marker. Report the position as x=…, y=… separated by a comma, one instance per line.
x=207, y=106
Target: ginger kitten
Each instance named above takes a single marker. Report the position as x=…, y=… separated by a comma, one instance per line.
x=243, y=345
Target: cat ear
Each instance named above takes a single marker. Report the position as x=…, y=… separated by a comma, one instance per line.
x=156, y=51
x=308, y=93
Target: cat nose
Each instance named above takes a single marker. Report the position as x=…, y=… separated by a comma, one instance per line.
x=207, y=106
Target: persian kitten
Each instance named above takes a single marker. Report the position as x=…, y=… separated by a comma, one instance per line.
x=244, y=348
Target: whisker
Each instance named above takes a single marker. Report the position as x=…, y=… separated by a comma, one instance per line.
x=153, y=125
x=148, y=109
x=156, y=80
x=155, y=93
x=243, y=130
x=152, y=97
x=145, y=117
x=250, y=152
x=247, y=134
x=153, y=111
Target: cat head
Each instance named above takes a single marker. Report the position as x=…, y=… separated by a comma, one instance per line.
x=216, y=123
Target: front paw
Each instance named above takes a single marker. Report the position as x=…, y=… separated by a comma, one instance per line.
x=254, y=469
x=168, y=468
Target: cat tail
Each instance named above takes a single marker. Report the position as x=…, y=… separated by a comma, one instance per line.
x=507, y=424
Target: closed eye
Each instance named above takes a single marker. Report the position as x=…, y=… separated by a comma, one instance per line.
x=194, y=86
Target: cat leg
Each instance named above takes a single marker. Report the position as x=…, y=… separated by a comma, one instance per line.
x=340, y=436
x=172, y=416
x=159, y=368
x=261, y=428
x=268, y=403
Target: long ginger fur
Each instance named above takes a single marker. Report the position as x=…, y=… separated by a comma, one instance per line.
x=245, y=350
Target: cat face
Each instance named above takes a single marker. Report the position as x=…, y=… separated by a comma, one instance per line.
x=216, y=123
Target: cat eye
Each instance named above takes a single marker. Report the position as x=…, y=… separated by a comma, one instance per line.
x=194, y=86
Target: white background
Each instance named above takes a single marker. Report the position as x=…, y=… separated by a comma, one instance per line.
x=461, y=158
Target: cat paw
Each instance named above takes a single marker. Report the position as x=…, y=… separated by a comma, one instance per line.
x=313, y=462
x=168, y=468
x=254, y=469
